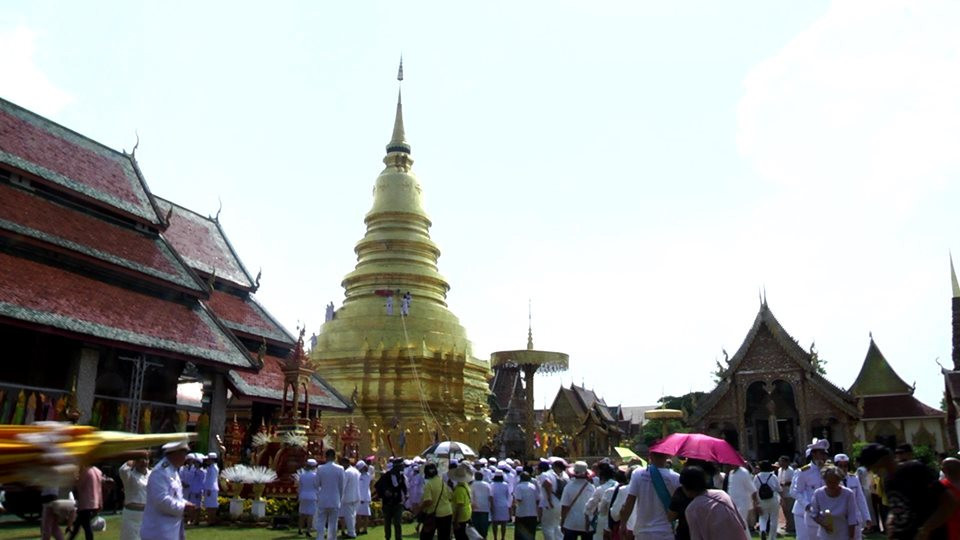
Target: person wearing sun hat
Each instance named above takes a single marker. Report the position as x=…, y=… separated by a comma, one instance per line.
x=573, y=503
x=165, y=504
x=461, y=500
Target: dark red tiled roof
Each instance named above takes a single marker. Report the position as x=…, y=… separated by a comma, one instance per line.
x=47, y=150
x=201, y=242
x=27, y=214
x=247, y=316
x=268, y=385
x=45, y=295
x=896, y=406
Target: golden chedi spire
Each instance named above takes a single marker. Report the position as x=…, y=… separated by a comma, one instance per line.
x=394, y=338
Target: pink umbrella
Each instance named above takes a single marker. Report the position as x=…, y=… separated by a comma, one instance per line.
x=698, y=446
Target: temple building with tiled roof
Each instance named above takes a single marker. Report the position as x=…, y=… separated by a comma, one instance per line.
x=257, y=397
x=771, y=399
x=889, y=411
x=101, y=317
x=584, y=423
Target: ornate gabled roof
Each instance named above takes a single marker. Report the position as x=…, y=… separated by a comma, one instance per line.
x=267, y=385
x=877, y=377
x=66, y=161
x=244, y=315
x=56, y=300
x=63, y=228
x=202, y=243
x=587, y=397
x=570, y=396
x=765, y=320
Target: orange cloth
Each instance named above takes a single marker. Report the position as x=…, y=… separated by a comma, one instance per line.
x=953, y=524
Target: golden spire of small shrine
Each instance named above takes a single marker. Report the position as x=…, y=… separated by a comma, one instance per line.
x=529, y=325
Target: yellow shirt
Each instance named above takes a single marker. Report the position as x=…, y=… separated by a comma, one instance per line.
x=433, y=490
x=461, y=503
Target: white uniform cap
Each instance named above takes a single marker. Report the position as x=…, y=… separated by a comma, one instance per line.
x=312, y=462
x=212, y=455
x=841, y=458
x=176, y=446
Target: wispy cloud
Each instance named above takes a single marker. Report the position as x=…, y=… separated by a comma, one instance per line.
x=23, y=81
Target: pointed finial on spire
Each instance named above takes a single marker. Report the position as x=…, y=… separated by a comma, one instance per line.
x=953, y=279
x=398, y=141
x=529, y=325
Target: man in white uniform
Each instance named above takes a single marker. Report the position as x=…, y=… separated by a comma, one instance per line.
x=163, y=510
x=351, y=497
x=606, y=481
x=645, y=502
x=805, y=482
x=134, y=475
x=331, y=481
x=852, y=481
x=307, y=495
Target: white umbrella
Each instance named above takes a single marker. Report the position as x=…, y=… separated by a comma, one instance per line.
x=449, y=449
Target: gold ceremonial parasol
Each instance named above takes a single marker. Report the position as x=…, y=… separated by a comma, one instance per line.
x=41, y=452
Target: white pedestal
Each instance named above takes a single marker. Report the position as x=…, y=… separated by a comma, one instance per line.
x=259, y=509
x=236, y=507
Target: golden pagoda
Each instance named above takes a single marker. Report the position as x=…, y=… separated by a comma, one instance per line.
x=394, y=345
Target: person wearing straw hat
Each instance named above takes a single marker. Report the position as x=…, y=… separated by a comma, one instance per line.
x=164, y=506
x=307, y=489
x=460, y=499
x=573, y=504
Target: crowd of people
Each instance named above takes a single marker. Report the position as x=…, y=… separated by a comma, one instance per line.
x=825, y=498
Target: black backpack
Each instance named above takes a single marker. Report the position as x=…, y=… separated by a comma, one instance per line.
x=766, y=492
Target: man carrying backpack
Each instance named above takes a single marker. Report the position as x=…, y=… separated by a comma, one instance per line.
x=768, y=493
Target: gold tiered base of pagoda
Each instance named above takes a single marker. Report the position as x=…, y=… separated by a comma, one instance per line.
x=385, y=437
x=415, y=371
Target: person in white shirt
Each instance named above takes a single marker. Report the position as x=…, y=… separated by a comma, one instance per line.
x=363, y=510
x=307, y=489
x=552, y=483
x=573, y=504
x=525, y=497
x=785, y=477
x=351, y=497
x=164, y=506
x=211, y=488
x=646, y=504
x=742, y=491
x=769, y=514
x=134, y=475
x=611, y=503
x=594, y=511
x=330, y=478
x=501, y=505
x=481, y=501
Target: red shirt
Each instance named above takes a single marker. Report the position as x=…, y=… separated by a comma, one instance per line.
x=953, y=524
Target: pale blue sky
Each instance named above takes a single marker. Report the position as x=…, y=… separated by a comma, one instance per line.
x=638, y=169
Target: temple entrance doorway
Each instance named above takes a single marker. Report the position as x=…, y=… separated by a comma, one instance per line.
x=771, y=419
